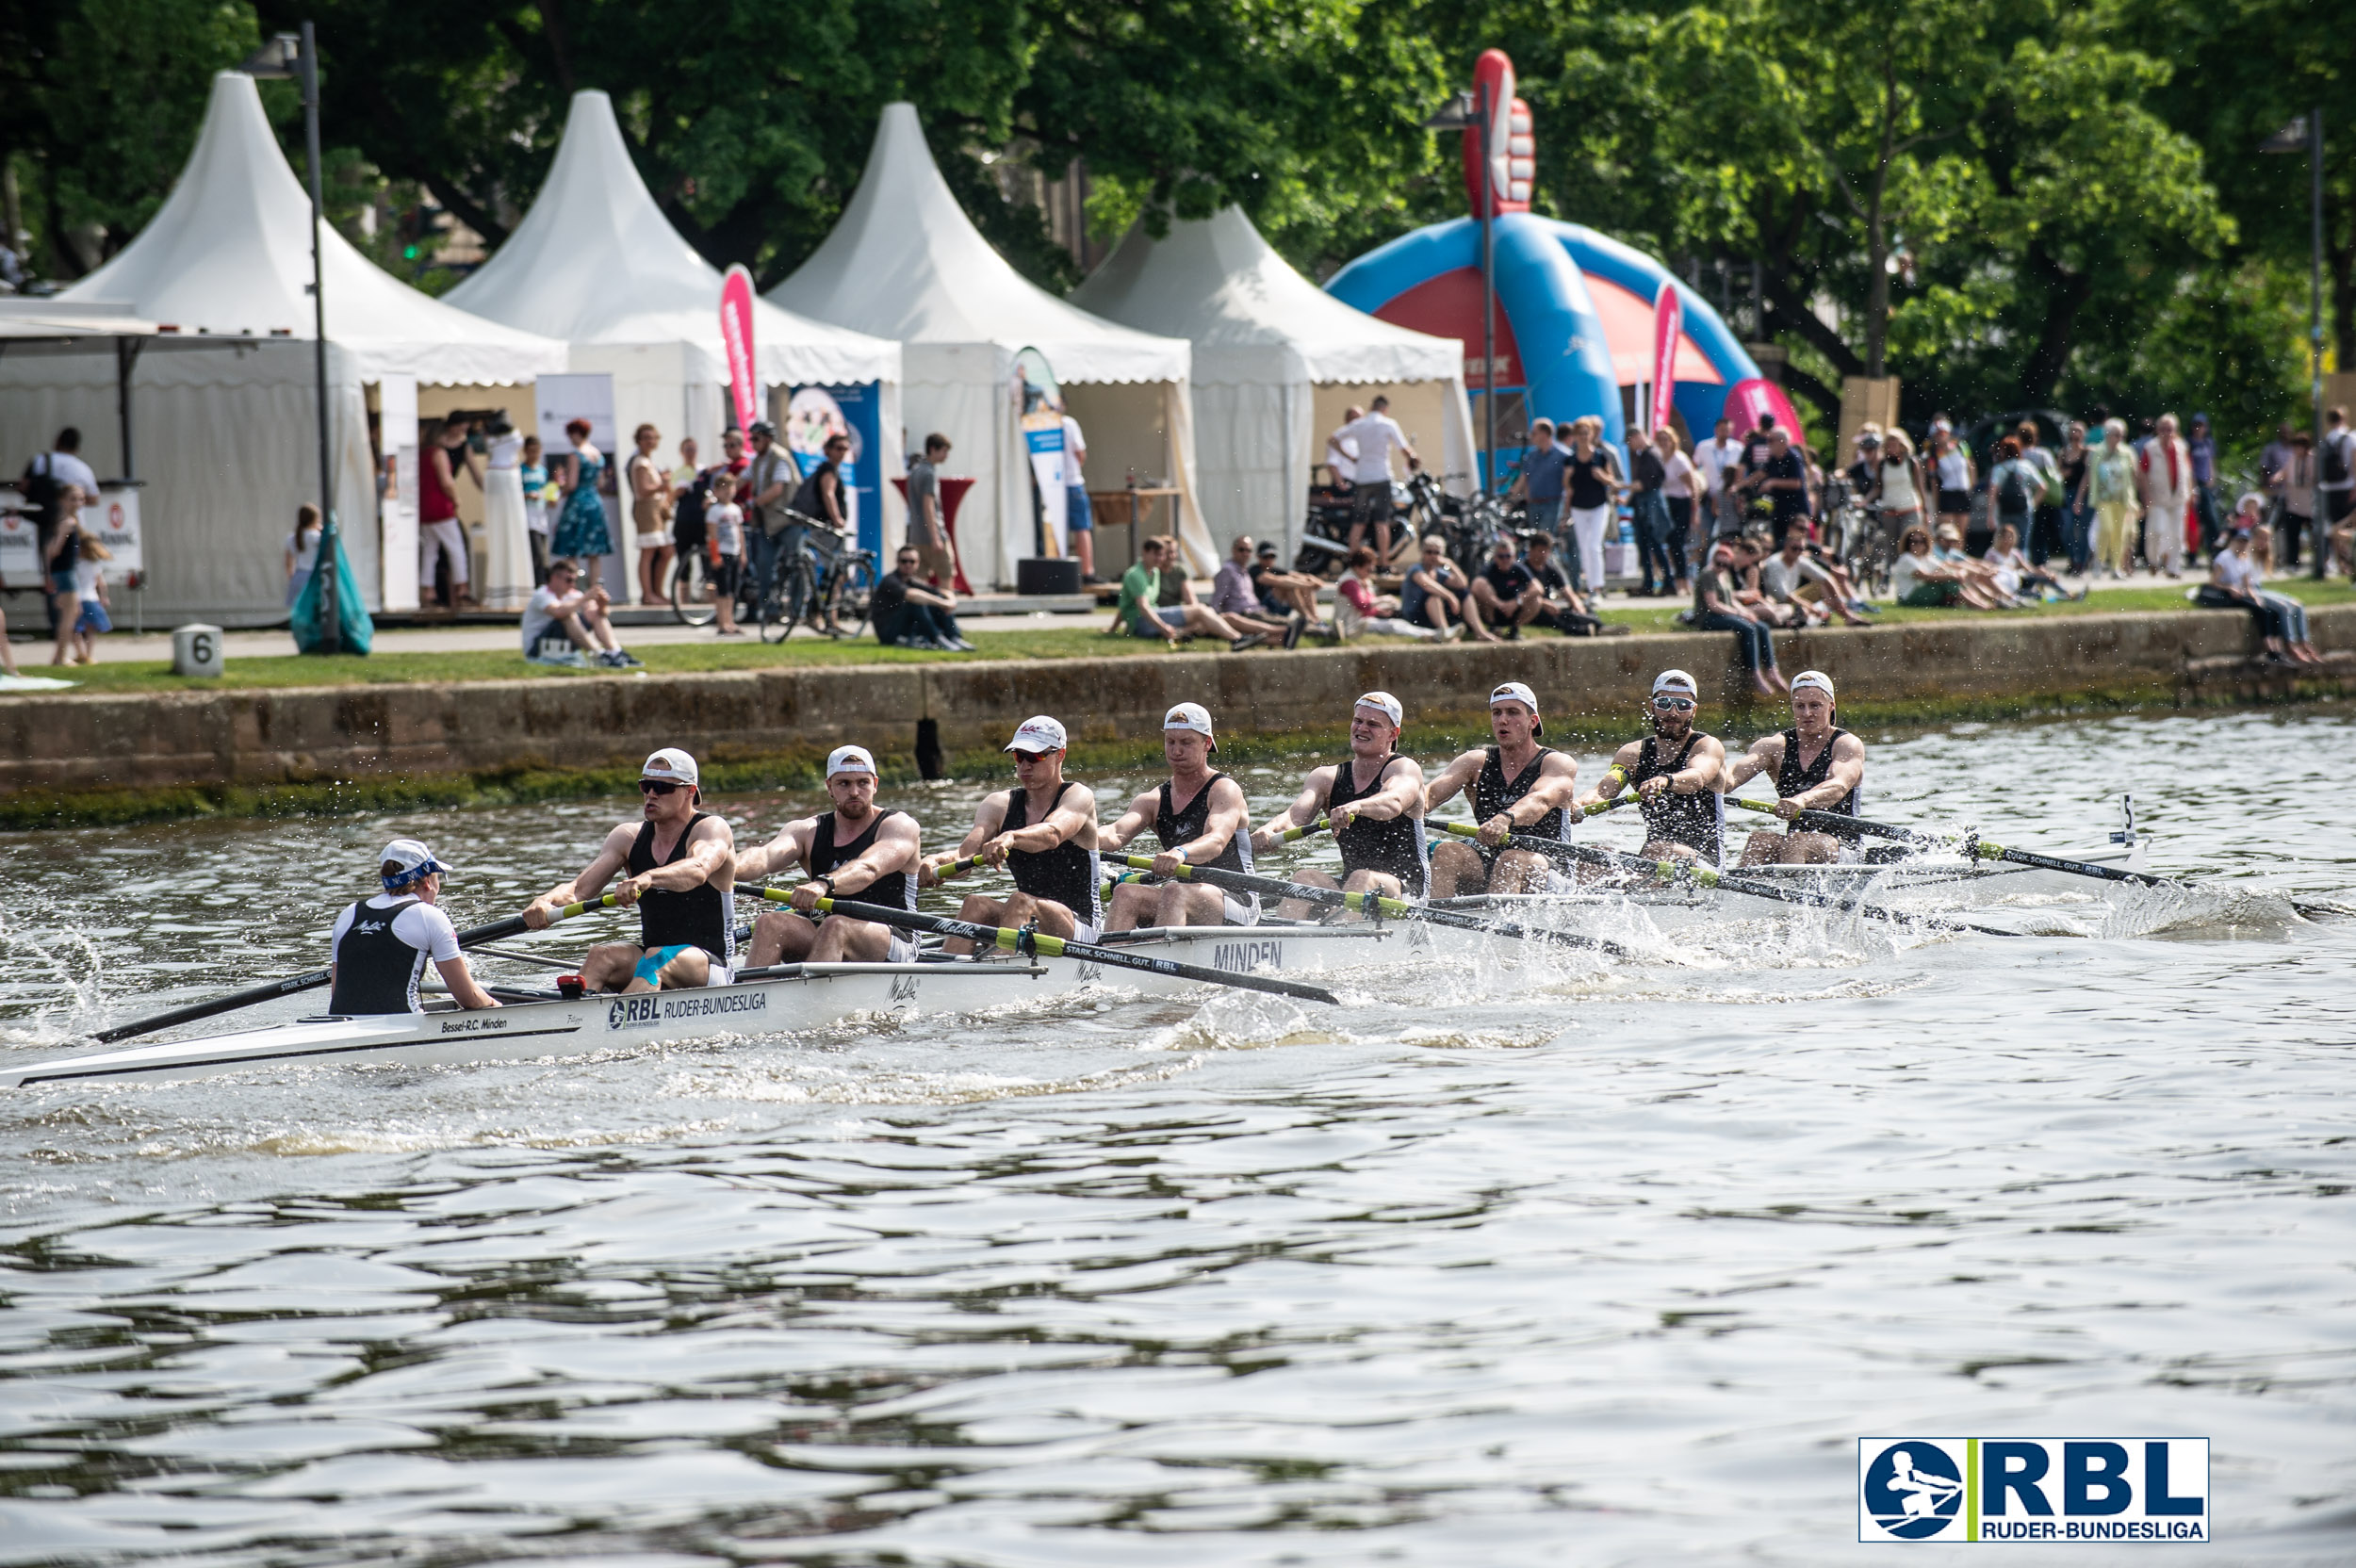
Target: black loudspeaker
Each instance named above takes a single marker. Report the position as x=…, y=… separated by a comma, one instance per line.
x=1047, y=574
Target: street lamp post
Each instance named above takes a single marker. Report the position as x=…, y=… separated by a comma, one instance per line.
x=296, y=56
x=2305, y=135
x=1468, y=113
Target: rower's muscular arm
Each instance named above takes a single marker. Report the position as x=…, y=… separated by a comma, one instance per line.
x=611, y=855
x=988, y=818
x=1557, y=785
x=1132, y=822
x=1306, y=808
x=1616, y=778
x=1848, y=772
x=1765, y=756
x=711, y=858
x=790, y=848
x=1227, y=816
x=1400, y=795
x=1453, y=780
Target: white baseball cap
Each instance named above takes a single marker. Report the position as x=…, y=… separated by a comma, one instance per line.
x=1675, y=680
x=1514, y=691
x=850, y=760
x=415, y=860
x=673, y=764
x=1385, y=704
x=1037, y=733
x=1816, y=679
x=1190, y=716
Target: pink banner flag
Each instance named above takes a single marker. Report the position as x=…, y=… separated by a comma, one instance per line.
x=736, y=339
x=1668, y=324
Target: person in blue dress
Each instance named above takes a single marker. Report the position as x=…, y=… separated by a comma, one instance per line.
x=580, y=530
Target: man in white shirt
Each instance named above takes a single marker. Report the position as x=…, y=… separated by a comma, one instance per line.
x=567, y=623
x=1374, y=434
x=1079, y=521
x=1713, y=458
x=1341, y=452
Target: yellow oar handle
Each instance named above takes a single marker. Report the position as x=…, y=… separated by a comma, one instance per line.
x=1291, y=834
x=569, y=911
x=1007, y=936
x=1395, y=909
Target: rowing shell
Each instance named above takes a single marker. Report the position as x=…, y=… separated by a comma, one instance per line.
x=782, y=1001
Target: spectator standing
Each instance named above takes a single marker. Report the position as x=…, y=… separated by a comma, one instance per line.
x=506, y=532
x=90, y=592
x=2295, y=511
x=2166, y=474
x=1897, y=489
x=1590, y=485
x=46, y=474
x=1682, y=491
x=2077, y=516
x=1079, y=518
x=770, y=476
x=1540, y=483
x=691, y=498
x=649, y=513
x=1375, y=435
x=680, y=477
x=440, y=535
x=580, y=534
x=2109, y=494
x=928, y=529
x=540, y=497
x=2013, y=487
x=1718, y=461
x=1783, y=480
x=2044, y=532
x=2335, y=465
x=1341, y=448
x=1950, y=466
x=303, y=551
x=721, y=523
x=59, y=558
x=820, y=500
x=909, y=615
x=2201, y=531
x=1716, y=608
x=2272, y=462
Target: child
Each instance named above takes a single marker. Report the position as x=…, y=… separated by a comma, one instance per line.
x=724, y=534
x=2014, y=578
x=89, y=591
x=540, y=496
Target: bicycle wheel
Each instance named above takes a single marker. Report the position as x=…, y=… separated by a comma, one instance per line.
x=782, y=611
x=855, y=598
x=692, y=599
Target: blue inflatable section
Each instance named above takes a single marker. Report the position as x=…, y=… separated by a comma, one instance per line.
x=1699, y=402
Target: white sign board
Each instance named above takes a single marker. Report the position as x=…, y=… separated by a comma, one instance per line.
x=561, y=400
x=20, y=546
x=113, y=518
x=397, y=517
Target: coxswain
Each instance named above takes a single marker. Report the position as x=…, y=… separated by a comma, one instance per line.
x=677, y=862
x=1043, y=831
x=1201, y=818
x=1678, y=773
x=378, y=951
x=1817, y=766
x=1516, y=785
x=854, y=852
x=1373, y=802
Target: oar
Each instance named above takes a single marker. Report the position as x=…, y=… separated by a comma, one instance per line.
x=269, y=989
x=1694, y=870
x=1376, y=904
x=1026, y=942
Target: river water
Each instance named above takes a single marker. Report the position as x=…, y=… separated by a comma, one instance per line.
x=1599, y=1265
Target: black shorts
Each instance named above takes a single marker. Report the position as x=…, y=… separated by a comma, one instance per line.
x=1371, y=503
x=728, y=574
x=1954, y=502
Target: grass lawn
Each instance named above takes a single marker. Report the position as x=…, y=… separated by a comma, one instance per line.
x=1078, y=641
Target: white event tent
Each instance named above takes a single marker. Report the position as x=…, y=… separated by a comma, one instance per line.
x=596, y=264
x=228, y=442
x=906, y=262
x=1264, y=339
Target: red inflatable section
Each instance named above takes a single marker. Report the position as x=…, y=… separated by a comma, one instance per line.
x=1748, y=399
x=1512, y=146
x=1447, y=304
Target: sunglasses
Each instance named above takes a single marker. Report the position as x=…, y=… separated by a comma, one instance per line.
x=658, y=786
x=1674, y=705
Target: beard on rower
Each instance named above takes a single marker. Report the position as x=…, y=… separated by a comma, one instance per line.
x=1678, y=773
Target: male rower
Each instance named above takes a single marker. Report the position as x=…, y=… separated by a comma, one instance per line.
x=1817, y=766
x=378, y=951
x=1201, y=818
x=1516, y=785
x=852, y=852
x=1044, y=830
x=1373, y=802
x=1678, y=773
x=678, y=859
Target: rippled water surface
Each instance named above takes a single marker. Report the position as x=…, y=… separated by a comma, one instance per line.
x=1487, y=1267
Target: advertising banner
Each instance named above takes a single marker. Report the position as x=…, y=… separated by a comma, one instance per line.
x=1039, y=400
x=113, y=517
x=1668, y=324
x=396, y=514
x=736, y=339
x=814, y=413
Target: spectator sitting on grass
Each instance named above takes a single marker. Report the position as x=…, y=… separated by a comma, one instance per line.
x=2014, y=578
x=1565, y=611
x=1947, y=548
x=1234, y=595
x=1920, y=581
x=1138, y=616
x=909, y=615
x=1358, y=608
x=1508, y=595
x=567, y=623
x=2233, y=584
x=1287, y=594
x=1793, y=577
x=1435, y=594
x=1718, y=607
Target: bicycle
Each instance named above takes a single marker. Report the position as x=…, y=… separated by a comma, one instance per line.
x=695, y=597
x=823, y=568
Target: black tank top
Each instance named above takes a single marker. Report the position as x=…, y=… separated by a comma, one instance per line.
x=1175, y=827
x=1587, y=476
x=1493, y=793
x=809, y=503
x=1396, y=846
x=895, y=891
x=1791, y=779
x=1066, y=874
x=696, y=918
x=1697, y=820
x=375, y=970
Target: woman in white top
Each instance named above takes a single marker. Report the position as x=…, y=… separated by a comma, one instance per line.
x=507, y=555
x=1681, y=489
x=2014, y=574
x=303, y=551
x=2233, y=584
x=1895, y=490
x=1951, y=466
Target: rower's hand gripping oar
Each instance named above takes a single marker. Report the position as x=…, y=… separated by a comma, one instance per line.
x=1377, y=904
x=1694, y=870
x=496, y=930
x=1028, y=942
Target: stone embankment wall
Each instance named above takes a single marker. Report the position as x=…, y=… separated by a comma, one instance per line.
x=68, y=746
